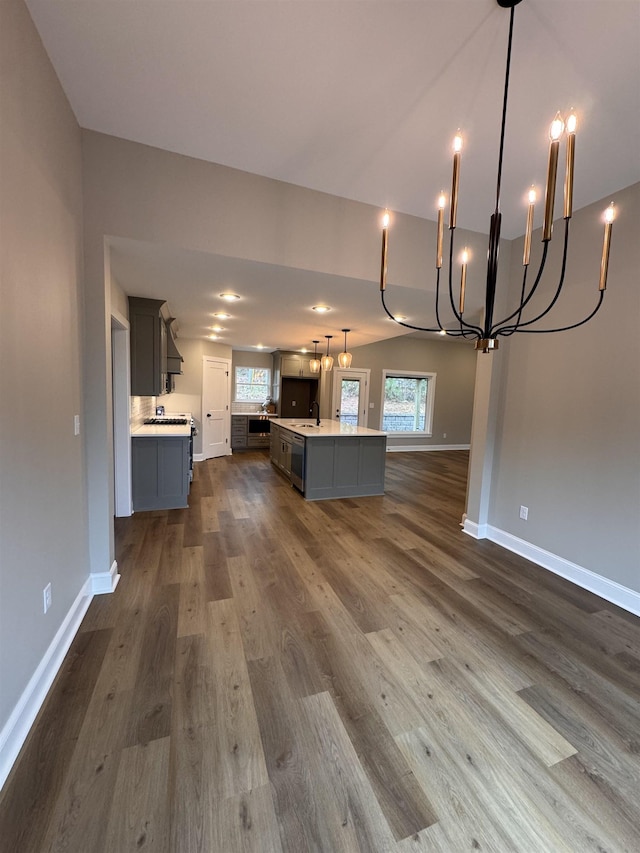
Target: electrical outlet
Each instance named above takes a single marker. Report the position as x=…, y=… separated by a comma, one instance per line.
x=444, y=435
x=46, y=597
x=372, y=405
x=524, y=512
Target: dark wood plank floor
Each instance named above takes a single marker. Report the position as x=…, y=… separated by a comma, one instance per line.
x=279, y=676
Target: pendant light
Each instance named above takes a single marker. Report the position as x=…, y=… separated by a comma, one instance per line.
x=314, y=363
x=344, y=359
x=327, y=360
x=517, y=320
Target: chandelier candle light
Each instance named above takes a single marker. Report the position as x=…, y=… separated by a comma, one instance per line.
x=486, y=336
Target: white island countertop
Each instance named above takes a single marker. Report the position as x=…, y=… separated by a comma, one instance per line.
x=166, y=430
x=327, y=428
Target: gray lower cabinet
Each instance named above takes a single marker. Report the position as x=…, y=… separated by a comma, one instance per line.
x=281, y=449
x=160, y=472
x=333, y=466
x=344, y=467
x=275, y=447
x=239, y=432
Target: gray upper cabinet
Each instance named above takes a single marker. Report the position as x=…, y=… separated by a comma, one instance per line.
x=294, y=385
x=148, y=347
x=293, y=364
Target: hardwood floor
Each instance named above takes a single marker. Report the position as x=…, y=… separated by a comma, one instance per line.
x=278, y=676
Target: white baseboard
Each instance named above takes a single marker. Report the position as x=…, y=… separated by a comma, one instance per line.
x=198, y=457
x=16, y=729
x=478, y=531
x=104, y=582
x=610, y=590
x=413, y=448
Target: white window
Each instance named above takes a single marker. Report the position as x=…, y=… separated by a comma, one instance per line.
x=253, y=384
x=407, y=401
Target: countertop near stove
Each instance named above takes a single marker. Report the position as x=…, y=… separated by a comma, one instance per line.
x=168, y=430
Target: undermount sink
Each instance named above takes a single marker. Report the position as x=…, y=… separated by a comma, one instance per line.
x=305, y=426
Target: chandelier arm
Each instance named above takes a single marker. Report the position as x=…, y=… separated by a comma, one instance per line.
x=438, y=320
x=522, y=302
x=453, y=333
x=475, y=330
x=400, y=323
x=542, y=314
x=526, y=301
x=562, y=328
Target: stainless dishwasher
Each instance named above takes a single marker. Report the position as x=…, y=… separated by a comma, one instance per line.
x=297, y=461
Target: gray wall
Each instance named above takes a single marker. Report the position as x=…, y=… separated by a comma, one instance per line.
x=42, y=477
x=453, y=362
x=568, y=443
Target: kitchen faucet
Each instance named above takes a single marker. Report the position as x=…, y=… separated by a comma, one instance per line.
x=316, y=403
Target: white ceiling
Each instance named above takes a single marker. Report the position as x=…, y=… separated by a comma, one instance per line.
x=358, y=98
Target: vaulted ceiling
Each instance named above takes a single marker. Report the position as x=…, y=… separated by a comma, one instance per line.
x=358, y=98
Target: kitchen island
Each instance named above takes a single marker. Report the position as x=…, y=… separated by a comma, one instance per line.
x=332, y=460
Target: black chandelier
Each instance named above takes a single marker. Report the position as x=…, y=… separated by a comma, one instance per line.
x=486, y=336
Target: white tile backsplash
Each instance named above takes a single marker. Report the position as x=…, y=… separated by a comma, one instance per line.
x=245, y=408
x=141, y=408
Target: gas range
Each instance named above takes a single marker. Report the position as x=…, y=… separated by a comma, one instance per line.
x=163, y=421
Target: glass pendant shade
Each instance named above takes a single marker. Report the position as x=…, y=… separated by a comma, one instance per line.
x=314, y=363
x=327, y=360
x=344, y=359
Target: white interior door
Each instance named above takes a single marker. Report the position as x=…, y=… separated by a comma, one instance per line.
x=215, y=407
x=351, y=396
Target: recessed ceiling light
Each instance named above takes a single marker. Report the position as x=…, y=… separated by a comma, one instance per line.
x=214, y=337
x=304, y=349
x=230, y=297
x=220, y=315
x=217, y=329
x=259, y=346
x=398, y=318
x=442, y=332
x=321, y=309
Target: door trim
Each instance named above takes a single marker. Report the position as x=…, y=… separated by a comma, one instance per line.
x=227, y=416
x=360, y=373
x=120, y=390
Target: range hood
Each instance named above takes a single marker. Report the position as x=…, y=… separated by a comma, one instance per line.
x=174, y=359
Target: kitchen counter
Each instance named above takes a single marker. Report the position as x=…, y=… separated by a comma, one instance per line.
x=327, y=428
x=165, y=430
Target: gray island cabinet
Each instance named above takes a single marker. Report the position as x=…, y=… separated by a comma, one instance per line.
x=335, y=460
